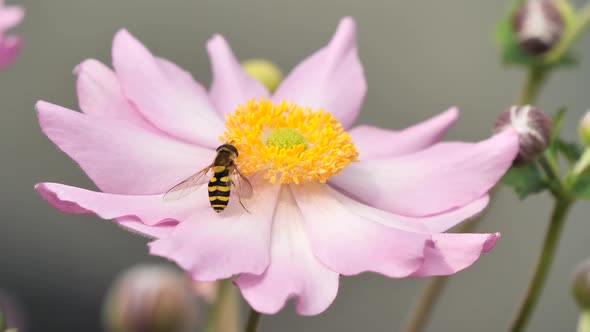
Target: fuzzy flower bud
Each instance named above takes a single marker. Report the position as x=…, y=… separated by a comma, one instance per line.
x=206, y=290
x=581, y=285
x=150, y=298
x=12, y=315
x=538, y=25
x=533, y=127
x=264, y=71
x=584, y=129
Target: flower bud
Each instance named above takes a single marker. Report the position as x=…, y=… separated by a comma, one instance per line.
x=584, y=129
x=206, y=290
x=12, y=315
x=581, y=285
x=264, y=71
x=533, y=127
x=150, y=298
x=538, y=25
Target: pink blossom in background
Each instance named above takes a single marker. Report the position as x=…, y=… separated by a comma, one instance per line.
x=146, y=125
x=10, y=45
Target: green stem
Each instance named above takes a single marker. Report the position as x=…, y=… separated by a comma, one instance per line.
x=551, y=169
x=419, y=317
x=544, y=261
x=536, y=77
x=223, y=315
x=427, y=299
x=584, y=321
x=253, y=321
x=534, y=81
x=2, y=319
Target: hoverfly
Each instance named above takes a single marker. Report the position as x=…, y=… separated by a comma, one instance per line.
x=225, y=175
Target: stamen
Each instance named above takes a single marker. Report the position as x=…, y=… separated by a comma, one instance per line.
x=286, y=138
x=288, y=143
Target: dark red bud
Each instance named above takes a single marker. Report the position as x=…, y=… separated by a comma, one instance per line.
x=533, y=127
x=538, y=25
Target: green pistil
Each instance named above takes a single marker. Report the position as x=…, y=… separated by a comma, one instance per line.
x=286, y=138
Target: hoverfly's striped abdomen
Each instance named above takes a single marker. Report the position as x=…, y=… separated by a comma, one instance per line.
x=219, y=188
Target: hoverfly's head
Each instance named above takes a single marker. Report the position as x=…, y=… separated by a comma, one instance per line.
x=228, y=147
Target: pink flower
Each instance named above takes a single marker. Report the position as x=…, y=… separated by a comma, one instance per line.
x=10, y=46
x=148, y=125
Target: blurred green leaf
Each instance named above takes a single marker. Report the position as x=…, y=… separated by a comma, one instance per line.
x=570, y=150
x=582, y=188
x=524, y=180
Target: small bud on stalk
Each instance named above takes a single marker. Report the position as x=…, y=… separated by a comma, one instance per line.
x=584, y=129
x=151, y=298
x=581, y=285
x=265, y=72
x=538, y=25
x=533, y=127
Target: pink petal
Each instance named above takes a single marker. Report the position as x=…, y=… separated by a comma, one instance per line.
x=10, y=17
x=294, y=271
x=446, y=220
x=130, y=212
x=375, y=143
x=183, y=111
x=9, y=49
x=451, y=253
x=430, y=224
x=149, y=209
x=231, y=85
x=349, y=243
x=181, y=80
x=331, y=79
x=441, y=178
x=99, y=94
x=155, y=231
x=214, y=246
x=120, y=158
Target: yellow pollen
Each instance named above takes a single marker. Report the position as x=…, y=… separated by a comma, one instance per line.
x=307, y=145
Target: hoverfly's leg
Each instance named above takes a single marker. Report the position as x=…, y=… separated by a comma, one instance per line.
x=240, y=198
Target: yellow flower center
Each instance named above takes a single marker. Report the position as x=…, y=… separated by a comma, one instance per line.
x=287, y=143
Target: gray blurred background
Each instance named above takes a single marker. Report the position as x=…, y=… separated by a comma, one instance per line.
x=420, y=57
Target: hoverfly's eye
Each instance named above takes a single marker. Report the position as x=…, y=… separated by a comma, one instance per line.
x=288, y=143
x=233, y=149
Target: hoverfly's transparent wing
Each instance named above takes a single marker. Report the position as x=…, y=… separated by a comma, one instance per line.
x=187, y=186
x=242, y=185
